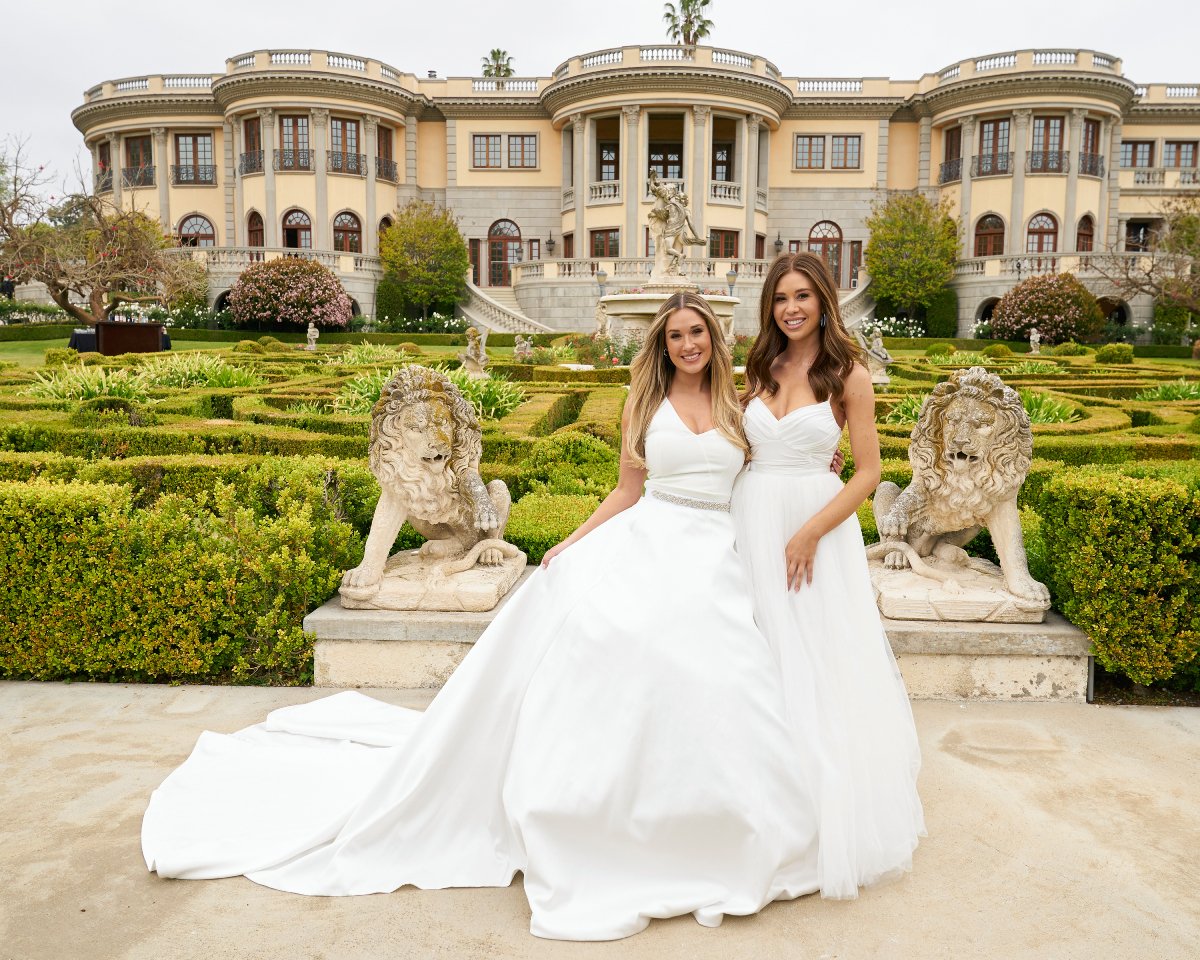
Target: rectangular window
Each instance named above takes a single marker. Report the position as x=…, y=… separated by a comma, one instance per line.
x=1091, y=137
x=103, y=157
x=993, y=138
x=343, y=137
x=606, y=243
x=855, y=261
x=473, y=247
x=383, y=144
x=649, y=243
x=760, y=247
x=569, y=246
x=953, y=144
x=194, y=158
x=810, y=152
x=522, y=150
x=666, y=159
x=251, y=135
x=535, y=249
x=293, y=133
x=846, y=153
x=722, y=162
x=795, y=246
x=1047, y=134
x=1137, y=153
x=608, y=159
x=485, y=150
x=723, y=244
x=1179, y=153
x=138, y=152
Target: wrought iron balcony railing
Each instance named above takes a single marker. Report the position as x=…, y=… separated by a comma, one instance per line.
x=951, y=171
x=1047, y=161
x=137, y=176
x=293, y=160
x=386, y=169
x=193, y=175
x=103, y=181
x=992, y=165
x=1091, y=165
x=352, y=163
x=250, y=162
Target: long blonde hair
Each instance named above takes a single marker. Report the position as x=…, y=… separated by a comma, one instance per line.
x=652, y=372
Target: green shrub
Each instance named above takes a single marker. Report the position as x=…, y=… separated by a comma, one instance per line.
x=997, y=351
x=389, y=299
x=362, y=354
x=60, y=357
x=1173, y=324
x=248, y=346
x=84, y=383
x=1180, y=389
x=941, y=314
x=1043, y=408
x=939, y=349
x=410, y=347
x=1115, y=353
x=1057, y=304
x=1125, y=567
x=194, y=369
x=1035, y=367
x=1070, y=349
x=539, y=521
x=907, y=409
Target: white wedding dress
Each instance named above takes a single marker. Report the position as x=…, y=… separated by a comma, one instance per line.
x=851, y=719
x=618, y=734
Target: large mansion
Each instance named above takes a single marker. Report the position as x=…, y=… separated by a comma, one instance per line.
x=1046, y=156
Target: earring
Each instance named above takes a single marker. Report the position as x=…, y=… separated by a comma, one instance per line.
x=823, y=321
x=665, y=352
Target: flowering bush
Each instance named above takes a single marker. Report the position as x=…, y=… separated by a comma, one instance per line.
x=900, y=326
x=286, y=294
x=1057, y=304
x=604, y=351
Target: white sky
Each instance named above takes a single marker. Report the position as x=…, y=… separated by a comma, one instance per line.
x=53, y=50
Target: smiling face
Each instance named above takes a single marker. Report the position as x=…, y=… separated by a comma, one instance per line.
x=689, y=344
x=796, y=307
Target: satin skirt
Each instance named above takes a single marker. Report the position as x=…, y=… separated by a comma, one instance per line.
x=851, y=721
x=618, y=734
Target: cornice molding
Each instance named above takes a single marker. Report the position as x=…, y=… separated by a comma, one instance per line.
x=821, y=108
x=143, y=107
x=1164, y=113
x=1114, y=91
x=528, y=108
x=573, y=92
x=229, y=90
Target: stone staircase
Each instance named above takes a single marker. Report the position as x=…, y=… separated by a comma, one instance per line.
x=939, y=661
x=496, y=308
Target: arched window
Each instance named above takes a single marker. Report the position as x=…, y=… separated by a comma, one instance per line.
x=1085, y=235
x=504, y=249
x=347, y=233
x=297, y=230
x=989, y=236
x=197, y=231
x=384, y=223
x=825, y=240
x=1043, y=234
x=255, y=235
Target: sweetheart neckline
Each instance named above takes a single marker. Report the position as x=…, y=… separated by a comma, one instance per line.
x=806, y=406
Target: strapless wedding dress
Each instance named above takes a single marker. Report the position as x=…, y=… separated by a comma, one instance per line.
x=850, y=716
x=618, y=734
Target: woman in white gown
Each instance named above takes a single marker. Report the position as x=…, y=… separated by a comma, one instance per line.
x=618, y=733
x=802, y=545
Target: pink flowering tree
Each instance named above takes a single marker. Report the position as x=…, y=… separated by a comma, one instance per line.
x=1057, y=304
x=286, y=294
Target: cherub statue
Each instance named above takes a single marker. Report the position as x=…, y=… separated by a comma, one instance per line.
x=474, y=358
x=313, y=333
x=877, y=356
x=1035, y=340
x=672, y=227
x=522, y=347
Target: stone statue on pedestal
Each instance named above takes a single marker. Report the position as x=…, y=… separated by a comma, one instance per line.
x=522, y=347
x=474, y=358
x=312, y=335
x=970, y=452
x=1035, y=340
x=671, y=227
x=425, y=448
x=877, y=357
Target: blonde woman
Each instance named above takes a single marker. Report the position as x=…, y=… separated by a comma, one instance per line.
x=618, y=734
x=798, y=535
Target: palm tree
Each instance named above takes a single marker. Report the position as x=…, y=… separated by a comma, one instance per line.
x=687, y=25
x=497, y=64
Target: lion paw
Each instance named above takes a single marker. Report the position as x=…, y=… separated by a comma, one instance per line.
x=491, y=558
x=360, y=577
x=487, y=517
x=951, y=554
x=894, y=528
x=1029, y=589
x=437, y=549
x=895, y=561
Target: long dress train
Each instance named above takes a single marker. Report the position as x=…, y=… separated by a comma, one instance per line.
x=850, y=714
x=618, y=734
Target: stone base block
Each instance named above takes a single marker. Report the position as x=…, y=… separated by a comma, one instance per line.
x=977, y=593
x=411, y=582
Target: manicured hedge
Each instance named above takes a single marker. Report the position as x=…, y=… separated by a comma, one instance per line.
x=543, y=413
x=36, y=331
x=540, y=521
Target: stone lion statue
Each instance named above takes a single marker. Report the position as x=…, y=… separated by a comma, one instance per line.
x=970, y=452
x=424, y=450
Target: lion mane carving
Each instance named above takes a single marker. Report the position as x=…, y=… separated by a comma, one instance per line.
x=425, y=448
x=970, y=452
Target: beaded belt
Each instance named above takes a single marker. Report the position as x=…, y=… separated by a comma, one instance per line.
x=690, y=502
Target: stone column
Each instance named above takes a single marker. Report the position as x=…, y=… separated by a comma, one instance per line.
x=753, y=124
x=117, y=161
x=632, y=187
x=926, y=128
x=452, y=154
x=320, y=127
x=579, y=182
x=967, y=215
x=238, y=237
x=370, y=244
x=700, y=154
x=1119, y=238
x=881, y=158
x=1015, y=238
x=1113, y=231
x=163, y=161
x=1075, y=139
x=266, y=117
x=229, y=180
x=410, y=150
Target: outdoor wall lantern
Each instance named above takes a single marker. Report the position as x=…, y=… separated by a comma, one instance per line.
x=730, y=279
x=550, y=244
x=778, y=243
x=601, y=277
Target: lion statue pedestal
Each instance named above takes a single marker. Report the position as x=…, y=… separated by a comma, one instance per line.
x=970, y=452
x=424, y=450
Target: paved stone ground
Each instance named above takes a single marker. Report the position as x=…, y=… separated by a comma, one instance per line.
x=1056, y=831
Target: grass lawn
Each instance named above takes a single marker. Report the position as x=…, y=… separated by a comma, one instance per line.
x=29, y=353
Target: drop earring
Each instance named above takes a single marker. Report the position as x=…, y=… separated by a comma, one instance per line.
x=823, y=321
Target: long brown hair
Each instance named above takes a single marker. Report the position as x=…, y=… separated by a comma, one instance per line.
x=836, y=351
x=652, y=372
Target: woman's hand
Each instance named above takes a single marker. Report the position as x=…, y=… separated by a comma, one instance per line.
x=838, y=461
x=553, y=552
x=800, y=554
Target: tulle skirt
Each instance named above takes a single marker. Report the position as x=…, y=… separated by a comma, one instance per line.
x=619, y=734
x=851, y=721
